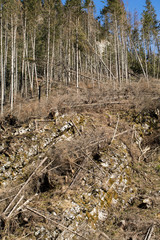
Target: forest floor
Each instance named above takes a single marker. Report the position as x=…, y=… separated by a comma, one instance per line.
x=92, y=171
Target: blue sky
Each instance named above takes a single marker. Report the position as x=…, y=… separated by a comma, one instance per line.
x=131, y=5
x=138, y=5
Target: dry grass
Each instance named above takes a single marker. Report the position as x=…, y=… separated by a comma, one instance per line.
x=98, y=126
x=63, y=98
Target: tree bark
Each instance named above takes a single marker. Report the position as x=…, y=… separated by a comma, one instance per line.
x=2, y=76
x=48, y=55
x=12, y=63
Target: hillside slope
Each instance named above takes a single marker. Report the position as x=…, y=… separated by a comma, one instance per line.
x=90, y=172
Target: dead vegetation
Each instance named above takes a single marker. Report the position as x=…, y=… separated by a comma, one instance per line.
x=67, y=167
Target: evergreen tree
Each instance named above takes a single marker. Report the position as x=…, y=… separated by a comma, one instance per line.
x=149, y=34
x=149, y=22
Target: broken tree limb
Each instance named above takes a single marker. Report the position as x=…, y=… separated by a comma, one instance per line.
x=87, y=170
x=54, y=222
x=119, y=134
x=115, y=129
x=74, y=179
x=75, y=127
x=94, y=163
x=101, y=104
x=4, y=199
x=23, y=187
x=149, y=233
x=26, y=202
x=9, y=215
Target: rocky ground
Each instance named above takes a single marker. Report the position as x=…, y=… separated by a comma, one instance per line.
x=90, y=172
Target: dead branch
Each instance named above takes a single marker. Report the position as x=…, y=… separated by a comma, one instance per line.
x=87, y=170
x=15, y=206
x=101, y=104
x=26, y=202
x=149, y=233
x=73, y=181
x=2, y=200
x=23, y=187
x=94, y=163
x=54, y=222
x=115, y=129
x=75, y=127
x=43, y=170
x=119, y=134
x=55, y=167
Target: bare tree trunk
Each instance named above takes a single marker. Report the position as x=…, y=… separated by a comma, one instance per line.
x=5, y=55
x=60, y=75
x=34, y=68
x=110, y=75
x=48, y=54
x=122, y=54
x=52, y=57
x=15, y=60
x=106, y=57
x=23, y=57
x=158, y=67
x=154, y=62
x=2, y=77
x=12, y=63
x=146, y=65
x=28, y=66
x=77, y=65
x=16, y=73
x=144, y=73
x=69, y=50
x=126, y=61
x=115, y=51
x=118, y=56
x=69, y=60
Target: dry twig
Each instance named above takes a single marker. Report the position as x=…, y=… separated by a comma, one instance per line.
x=23, y=187
x=54, y=222
x=75, y=127
x=115, y=129
x=149, y=233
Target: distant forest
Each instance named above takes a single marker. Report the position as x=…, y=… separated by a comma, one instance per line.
x=46, y=42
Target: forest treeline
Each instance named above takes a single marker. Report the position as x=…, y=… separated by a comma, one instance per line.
x=43, y=42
